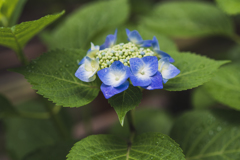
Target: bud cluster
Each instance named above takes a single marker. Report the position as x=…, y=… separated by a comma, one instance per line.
x=121, y=52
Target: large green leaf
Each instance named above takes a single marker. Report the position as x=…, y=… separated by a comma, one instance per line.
x=147, y=146
x=80, y=27
x=10, y=11
x=6, y=108
x=146, y=120
x=225, y=86
x=201, y=99
x=53, y=75
x=17, y=36
x=195, y=70
x=208, y=135
x=58, y=151
x=26, y=135
x=188, y=19
x=231, y=7
x=126, y=101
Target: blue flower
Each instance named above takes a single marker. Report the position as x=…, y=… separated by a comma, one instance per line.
x=109, y=41
x=145, y=73
x=114, y=79
x=167, y=69
x=91, y=53
x=162, y=54
x=136, y=38
x=87, y=71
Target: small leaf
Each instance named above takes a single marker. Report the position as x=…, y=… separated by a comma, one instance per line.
x=6, y=108
x=208, y=135
x=195, y=70
x=17, y=36
x=230, y=7
x=225, y=86
x=201, y=99
x=146, y=120
x=189, y=19
x=147, y=146
x=126, y=101
x=24, y=135
x=78, y=30
x=53, y=75
x=58, y=151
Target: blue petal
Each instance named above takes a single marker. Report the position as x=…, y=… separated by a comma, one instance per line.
x=155, y=44
x=138, y=80
x=151, y=64
x=82, y=61
x=171, y=60
x=145, y=43
x=156, y=82
x=115, y=75
x=170, y=71
x=136, y=64
x=162, y=54
x=109, y=91
x=84, y=75
x=134, y=36
x=165, y=80
x=110, y=41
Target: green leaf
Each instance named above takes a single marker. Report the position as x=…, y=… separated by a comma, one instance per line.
x=225, y=86
x=147, y=146
x=165, y=43
x=230, y=7
x=53, y=152
x=195, y=70
x=16, y=12
x=80, y=27
x=17, y=36
x=26, y=135
x=201, y=99
x=53, y=75
x=125, y=101
x=146, y=120
x=208, y=135
x=188, y=19
x=6, y=108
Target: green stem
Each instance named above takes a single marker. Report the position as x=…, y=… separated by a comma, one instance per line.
x=57, y=122
x=22, y=57
x=131, y=125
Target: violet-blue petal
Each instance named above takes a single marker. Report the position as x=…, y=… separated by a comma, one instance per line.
x=109, y=91
x=82, y=61
x=138, y=80
x=171, y=60
x=145, y=43
x=84, y=75
x=156, y=82
x=170, y=72
x=155, y=44
x=165, y=80
x=136, y=64
x=151, y=64
x=109, y=41
x=134, y=36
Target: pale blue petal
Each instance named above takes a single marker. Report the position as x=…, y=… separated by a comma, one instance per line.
x=128, y=31
x=82, y=61
x=151, y=65
x=109, y=41
x=156, y=82
x=170, y=71
x=136, y=65
x=155, y=44
x=115, y=75
x=109, y=91
x=145, y=43
x=138, y=80
x=162, y=54
x=165, y=80
x=135, y=37
x=84, y=75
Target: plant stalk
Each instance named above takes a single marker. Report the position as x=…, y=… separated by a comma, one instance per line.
x=131, y=125
x=57, y=122
x=22, y=57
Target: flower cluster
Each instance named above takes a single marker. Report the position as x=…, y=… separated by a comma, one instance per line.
x=139, y=60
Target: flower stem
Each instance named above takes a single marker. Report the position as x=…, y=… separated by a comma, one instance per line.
x=131, y=125
x=57, y=122
x=22, y=57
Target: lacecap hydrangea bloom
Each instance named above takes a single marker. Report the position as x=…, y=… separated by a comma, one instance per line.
x=138, y=62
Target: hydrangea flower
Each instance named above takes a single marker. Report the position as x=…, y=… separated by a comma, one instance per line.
x=119, y=65
x=160, y=53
